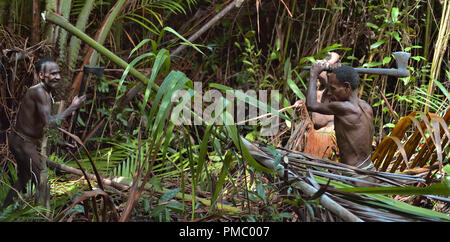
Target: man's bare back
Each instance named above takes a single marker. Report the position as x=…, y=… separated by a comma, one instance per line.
x=30, y=120
x=353, y=134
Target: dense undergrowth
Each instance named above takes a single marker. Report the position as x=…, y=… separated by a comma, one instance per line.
x=204, y=172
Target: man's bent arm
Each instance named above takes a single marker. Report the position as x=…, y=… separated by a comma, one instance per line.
x=44, y=110
x=54, y=119
x=332, y=108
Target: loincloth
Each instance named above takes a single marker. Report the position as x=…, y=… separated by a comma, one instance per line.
x=27, y=152
x=25, y=138
x=363, y=166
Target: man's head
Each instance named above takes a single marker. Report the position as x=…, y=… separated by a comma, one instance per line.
x=48, y=72
x=342, y=81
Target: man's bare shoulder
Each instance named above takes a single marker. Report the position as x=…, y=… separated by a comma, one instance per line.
x=36, y=91
x=346, y=107
x=366, y=107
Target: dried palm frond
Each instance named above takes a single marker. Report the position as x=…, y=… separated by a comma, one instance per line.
x=306, y=173
x=424, y=147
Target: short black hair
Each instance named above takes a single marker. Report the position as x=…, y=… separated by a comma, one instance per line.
x=41, y=63
x=347, y=74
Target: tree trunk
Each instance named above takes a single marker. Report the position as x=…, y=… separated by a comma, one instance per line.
x=35, y=26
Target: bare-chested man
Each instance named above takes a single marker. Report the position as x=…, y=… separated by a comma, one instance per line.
x=353, y=117
x=33, y=117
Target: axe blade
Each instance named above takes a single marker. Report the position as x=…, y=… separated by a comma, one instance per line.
x=98, y=71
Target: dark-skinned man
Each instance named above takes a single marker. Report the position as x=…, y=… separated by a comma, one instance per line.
x=353, y=117
x=321, y=141
x=33, y=117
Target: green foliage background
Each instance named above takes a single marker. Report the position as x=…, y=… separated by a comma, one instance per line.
x=261, y=45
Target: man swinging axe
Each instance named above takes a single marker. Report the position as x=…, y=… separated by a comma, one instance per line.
x=353, y=117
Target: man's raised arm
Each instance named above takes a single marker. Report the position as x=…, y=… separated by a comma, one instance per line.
x=311, y=95
x=332, y=108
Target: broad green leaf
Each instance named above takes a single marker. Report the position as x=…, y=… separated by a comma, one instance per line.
x=377, y=44
x=374, y=26
x=261, y=192
x=203, y=150
x=447, y=169
x=162, y=58
x=442, y=88
x=128, y=68
x=177, y=82
x=176, y=206
x=413, y=47
x=396, y=36
x=327, y=49
x=394, y=14
x=233, y=133
x=295, y=88
x=307, y=58
x=187, y=42
x=143, y=42
x=80, y=121
x=157, y=210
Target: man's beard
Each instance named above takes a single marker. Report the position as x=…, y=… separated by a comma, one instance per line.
x=62, y=90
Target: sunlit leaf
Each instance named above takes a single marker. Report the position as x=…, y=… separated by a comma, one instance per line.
x=377, y=44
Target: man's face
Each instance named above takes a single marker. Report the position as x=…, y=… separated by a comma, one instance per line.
x=337, y=91
x=50, y=74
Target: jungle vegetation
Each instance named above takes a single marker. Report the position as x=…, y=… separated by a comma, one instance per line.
x=125, y=159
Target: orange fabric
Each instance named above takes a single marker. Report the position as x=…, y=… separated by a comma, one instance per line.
x=321, y=142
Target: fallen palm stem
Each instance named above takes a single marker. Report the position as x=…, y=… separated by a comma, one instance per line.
x=59, y=20
x=309, y=190
x=369, y=207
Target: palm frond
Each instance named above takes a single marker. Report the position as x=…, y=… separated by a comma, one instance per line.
x=425, y=146
x=422, y=98
x=65, y=12
x=75, y=42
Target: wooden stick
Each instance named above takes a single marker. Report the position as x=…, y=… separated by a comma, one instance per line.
x=388, y=105
x=268, y=114
x=221, y=14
